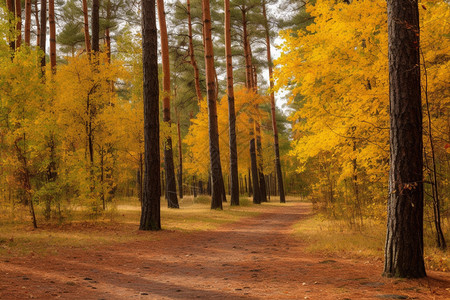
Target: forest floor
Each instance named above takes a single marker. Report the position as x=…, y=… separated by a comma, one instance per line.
x=257, y=257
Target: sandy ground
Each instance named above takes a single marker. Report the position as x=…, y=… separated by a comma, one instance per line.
x=256, y=258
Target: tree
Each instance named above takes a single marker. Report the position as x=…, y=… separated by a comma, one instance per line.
x=218, y=192
x=172, y=199
x=272, y=107
x=43, y=30
x=234, y=176
x=404, y=238
x=27, y=21
x=95, y=27
x=150, y=214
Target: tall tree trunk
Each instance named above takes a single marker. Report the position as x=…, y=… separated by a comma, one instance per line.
x=254, y=167
x=95, y=27
x=87, y=38
x=107, y=31
x=440, y=239
x=234, y=175
x=150, y=214
x=27, y=22
x=198, y=91
x=272, y=105
x=18, y=9
x=43, y=32
x=180, y=156
x=51, y=20
x=171, y=188
x=250, y=186
x=216, y=168
x=248, y=59
x=404, y=239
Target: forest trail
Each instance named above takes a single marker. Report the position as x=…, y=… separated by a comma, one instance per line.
x=255, y=258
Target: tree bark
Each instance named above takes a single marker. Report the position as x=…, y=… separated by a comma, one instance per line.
x=217, y=191
x=43, y=31
x=171, y=188
x=27, y=22
x=51, y=20
x=404, y=239
x=180, y=156
x=248, y=60
x=38, y=26
x=254, y=168
x=95, y=27
x=272, y=106
x=198, y=91
x=18, y=9
x=234, y=176
x=87, y=38
x=150, y=214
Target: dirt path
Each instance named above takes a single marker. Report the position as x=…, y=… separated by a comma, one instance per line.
x=255, y=258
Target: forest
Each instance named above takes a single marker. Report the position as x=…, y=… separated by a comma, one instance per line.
x=328, y=117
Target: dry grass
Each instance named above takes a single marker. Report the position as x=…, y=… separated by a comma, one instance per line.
x=335, y=238
x=119, y=224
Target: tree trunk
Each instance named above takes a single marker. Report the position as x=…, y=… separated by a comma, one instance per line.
x=171, y=186
x=107, y=31
x=87, y=38
x=180, y=157
x=404, y=239
x=198, y=91
x=95, y=27
x=27, y=22
x=43, y=31
x=272, y=105
x=216, y=168
x=51, y=20
x=440, y=239
x=150, y=214
x=248, y=60
x=234, y=175
x=256, y=190
x=250, y=186
x=18, y=9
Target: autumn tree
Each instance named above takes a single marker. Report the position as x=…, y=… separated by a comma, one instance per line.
x=150, y=214
x=404, y=239
x=171, y=190
x=234, y=180
x=218, y=192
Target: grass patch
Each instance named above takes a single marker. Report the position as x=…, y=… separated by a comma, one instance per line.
x=335, y=238
x=118, y=224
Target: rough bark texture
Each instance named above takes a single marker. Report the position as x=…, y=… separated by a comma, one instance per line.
x=234, y=175
x=150, y=214
x=27, y=22
x=180, y=156
x=43, y=31
x=272, y=106
x=171, y=185
x=198, y=91
x=248, y=59
x=254, y=167
x=217, y=191
x=51, y=21
x=95, y=19
x=404, y=239
x=87, y=38
x=18, y=9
